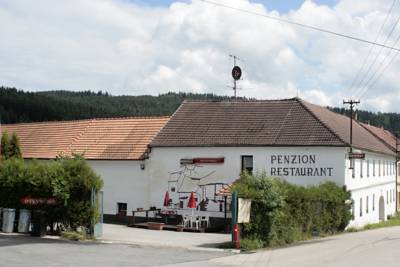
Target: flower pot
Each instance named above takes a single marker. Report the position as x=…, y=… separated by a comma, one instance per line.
x=155, y=226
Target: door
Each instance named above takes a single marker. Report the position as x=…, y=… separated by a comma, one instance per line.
x=381, y=209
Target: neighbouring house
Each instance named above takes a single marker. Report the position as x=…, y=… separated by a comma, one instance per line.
x=205, y=145
x=208, y=143
x=393, y=143
x=116, y=149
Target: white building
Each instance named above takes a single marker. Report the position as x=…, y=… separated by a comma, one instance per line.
x=292, y=139
x=205, y=145
x=116, y=149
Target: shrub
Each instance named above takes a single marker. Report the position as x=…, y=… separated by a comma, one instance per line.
x=70, y=180
x=282, y=213
x=250, y=244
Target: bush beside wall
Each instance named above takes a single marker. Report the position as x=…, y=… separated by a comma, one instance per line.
x=282, y=213
x=69, y=180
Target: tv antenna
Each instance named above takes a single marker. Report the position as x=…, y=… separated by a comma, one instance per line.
x=236, y=73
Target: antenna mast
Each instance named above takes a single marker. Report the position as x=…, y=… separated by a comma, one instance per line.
x=236, y=73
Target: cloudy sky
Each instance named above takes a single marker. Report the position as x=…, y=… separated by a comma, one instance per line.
x=150, y=47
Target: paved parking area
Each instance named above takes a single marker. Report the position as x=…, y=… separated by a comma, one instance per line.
x=39, y=252
x=124, y=234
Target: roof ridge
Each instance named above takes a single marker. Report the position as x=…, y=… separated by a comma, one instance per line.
x=88, y=120
x=237, y=100
x=78, y=136
x=302, y=103
x=283, y=122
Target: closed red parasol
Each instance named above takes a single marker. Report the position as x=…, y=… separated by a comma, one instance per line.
x=192, y=201
x=166, y=199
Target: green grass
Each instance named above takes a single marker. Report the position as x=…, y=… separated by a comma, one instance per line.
x=394, y=221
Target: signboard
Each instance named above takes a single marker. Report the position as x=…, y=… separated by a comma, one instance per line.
x=38, y=201
x=356, y=155
x=244, y=207
x=298, y=165
x=187, y=161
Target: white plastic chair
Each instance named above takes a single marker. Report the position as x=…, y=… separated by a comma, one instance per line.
x=205, y=220
x=186, y=220
x=195, y=222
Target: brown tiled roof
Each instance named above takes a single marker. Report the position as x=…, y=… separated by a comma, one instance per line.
x=116, y=139
x=386, y=136
x=288, y=122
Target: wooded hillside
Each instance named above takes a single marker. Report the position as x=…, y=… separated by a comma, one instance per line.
x=21, y=106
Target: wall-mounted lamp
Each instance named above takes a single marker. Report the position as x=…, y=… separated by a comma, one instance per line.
x=142, y=166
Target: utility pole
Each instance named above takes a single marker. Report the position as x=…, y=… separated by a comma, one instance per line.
x=352, y=103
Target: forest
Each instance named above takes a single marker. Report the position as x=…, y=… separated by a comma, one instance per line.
x=23, y=106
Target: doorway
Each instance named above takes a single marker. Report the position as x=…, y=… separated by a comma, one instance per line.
x=381, y=209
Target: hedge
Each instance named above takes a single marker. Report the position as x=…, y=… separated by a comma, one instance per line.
x=69, y=180
x=282, y=213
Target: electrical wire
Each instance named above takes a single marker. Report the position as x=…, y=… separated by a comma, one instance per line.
x=371, y=81
x=359, y=86
x=300, y=25
x=388, y=15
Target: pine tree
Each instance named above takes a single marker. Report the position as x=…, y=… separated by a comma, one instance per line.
x=14, y=149
x=5, y=146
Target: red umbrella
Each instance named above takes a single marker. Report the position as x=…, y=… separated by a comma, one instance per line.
x=192, y=201
x=166, y=199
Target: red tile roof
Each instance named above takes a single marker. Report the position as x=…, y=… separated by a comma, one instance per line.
x=288, y=122
x=387, y=137
x=115, y=139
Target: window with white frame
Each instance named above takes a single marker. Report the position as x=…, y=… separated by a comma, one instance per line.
x=379, y=168
x=367, y=168
x=373, y=168
x=360, y=207
x=361, y=168
x=352, y=167
x=383, y=167
x=366, y=204
x=387, y=197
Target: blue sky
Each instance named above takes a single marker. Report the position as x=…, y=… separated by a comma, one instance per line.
x=282, y=6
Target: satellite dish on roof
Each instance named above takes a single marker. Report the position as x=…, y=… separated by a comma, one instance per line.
x=236, y=73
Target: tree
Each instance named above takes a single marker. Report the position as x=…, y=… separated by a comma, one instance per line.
x=14, y=149
x=5, y=146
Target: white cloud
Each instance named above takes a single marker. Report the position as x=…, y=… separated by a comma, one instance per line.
x=124, y=48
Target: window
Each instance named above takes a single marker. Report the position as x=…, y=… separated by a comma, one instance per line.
x=373, y=202
x=353, y=171
x=373, y=168
x=387, y=197
x=247, y=164
x=367, y=168
x=383, y=167
x=379, y=168
x=122, y=207
x=353, y=209
x=360, y=207
x=361, y=168
x=366, y=205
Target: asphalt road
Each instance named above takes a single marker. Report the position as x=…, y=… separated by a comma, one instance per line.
x=369, y=248
x=37, y=252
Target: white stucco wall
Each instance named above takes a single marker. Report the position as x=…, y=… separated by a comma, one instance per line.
x=372, y=186
x=124, y=182
x=165, y=160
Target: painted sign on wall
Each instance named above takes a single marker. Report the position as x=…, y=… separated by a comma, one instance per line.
x=297, y=165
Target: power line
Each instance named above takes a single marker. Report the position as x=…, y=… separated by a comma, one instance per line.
x=372, y=46
x=301, y=25
x=359, y=87
x=381, y=73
